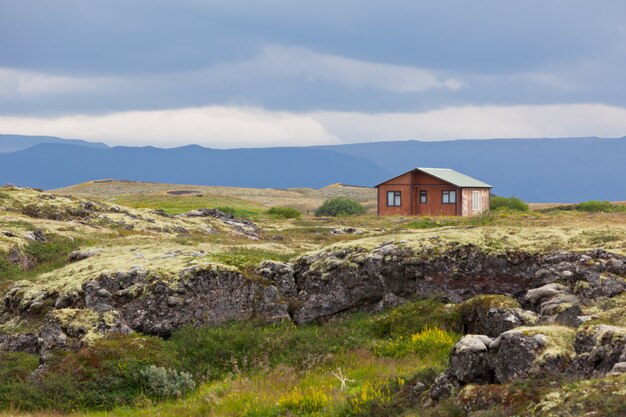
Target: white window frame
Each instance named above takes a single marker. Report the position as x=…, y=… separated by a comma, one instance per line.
x=448, y=197
x=394, y=198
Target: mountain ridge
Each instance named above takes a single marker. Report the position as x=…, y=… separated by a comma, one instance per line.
x=538, y=170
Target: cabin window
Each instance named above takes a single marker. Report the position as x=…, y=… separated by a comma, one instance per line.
x=423, y=197
x=448, y=197
x=476, y=200
x=394, y=198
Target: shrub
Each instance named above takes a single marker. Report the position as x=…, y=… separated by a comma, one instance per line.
x=340, y=206
x=367, y=398
x=431, y=340
x=306, y=402
x=166, y=382
x=595, y=206
x=508, y=203
x=284, y=212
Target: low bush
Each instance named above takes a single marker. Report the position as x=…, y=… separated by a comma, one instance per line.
x=595, y=206
x=284, y=212
x=164, y=383
x=508, y=203
x=340, y=206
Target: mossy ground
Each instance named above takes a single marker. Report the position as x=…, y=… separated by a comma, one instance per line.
x=254, y=370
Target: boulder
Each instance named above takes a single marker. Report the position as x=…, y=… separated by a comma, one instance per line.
x=79, y=255
x=493, y=314
x=556, y=303
x=513, y=355
x=36, y=236
x=470, y=361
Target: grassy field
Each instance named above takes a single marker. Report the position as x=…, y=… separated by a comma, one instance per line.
x=182, y=197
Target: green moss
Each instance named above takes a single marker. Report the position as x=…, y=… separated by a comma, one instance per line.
x=611, y=311
x=560, y=340
x=485, y=302
x=248, y=258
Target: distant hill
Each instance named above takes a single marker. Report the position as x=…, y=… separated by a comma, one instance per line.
x=537, y=170
x=53, y=166
x=13, y=143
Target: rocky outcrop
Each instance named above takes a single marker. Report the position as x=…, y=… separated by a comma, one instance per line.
x=206, y=297
x=321, y=285
x=337, y=280
x=21, y=342
x=541, y=351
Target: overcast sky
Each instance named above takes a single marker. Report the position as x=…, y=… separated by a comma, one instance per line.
x=236, y=73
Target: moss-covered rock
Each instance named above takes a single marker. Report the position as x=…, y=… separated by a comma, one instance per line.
x=492, y=315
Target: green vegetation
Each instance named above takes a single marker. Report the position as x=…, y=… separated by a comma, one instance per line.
x=100, y=377
x=428, y=342
x=594, y=206
x=291, y=368
x=177, y=204
x=41, y=256
x=591, y=206
x=411, y=318
x=340, y=206
x=284, y=212
x=163, y=382
x=431, y=223
x=508, y=203
x=255, y=369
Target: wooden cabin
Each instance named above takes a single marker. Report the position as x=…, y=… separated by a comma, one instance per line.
x=433, y=192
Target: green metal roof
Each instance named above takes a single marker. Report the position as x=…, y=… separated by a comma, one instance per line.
x=454, y=178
